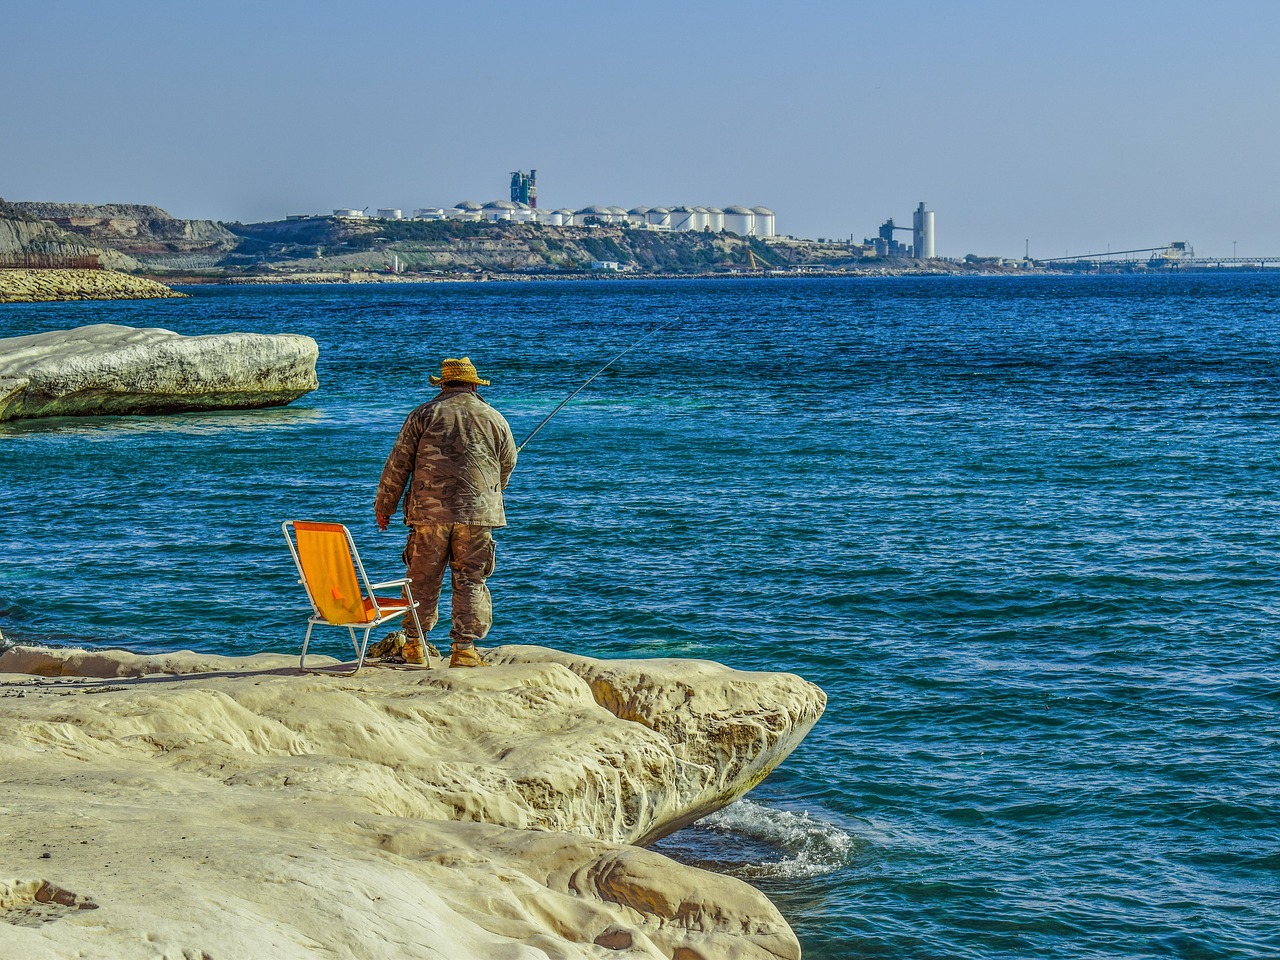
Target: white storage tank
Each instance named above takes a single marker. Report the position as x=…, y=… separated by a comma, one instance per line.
x=428, y=213
x=739, y=220
x=523, y=213
x=566, y=216
x=552, y=218
x=617, y=214
x=346, y=213
x=764, y=221
x=659, y=217
x=390, y=213
x=638, y=216
x=498, y=210
x=466, y=210
x=700, y=218
x=715, y=219
x=596, y=211
x=682, y=218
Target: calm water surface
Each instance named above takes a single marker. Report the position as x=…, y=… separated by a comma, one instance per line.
x=1022, y=531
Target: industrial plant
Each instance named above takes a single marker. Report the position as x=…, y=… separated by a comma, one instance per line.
x=758, y=221
x=523, y=208
x=921, y=248
x=744, y=221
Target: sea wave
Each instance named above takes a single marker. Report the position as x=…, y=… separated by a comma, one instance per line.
x=804, y=845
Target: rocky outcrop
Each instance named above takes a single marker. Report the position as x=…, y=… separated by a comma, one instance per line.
x=197, y=805
x=42, y=286
x=722, y=734
x=111, y=369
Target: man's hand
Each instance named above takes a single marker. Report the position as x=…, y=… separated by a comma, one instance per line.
x=383, y=520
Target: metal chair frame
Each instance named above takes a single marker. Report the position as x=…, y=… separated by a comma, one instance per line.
x=382, y=610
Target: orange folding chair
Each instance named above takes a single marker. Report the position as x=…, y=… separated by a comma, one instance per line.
x=340, y=592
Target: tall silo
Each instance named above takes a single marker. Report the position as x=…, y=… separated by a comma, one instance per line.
x=764, y=221
x=922, y=233
x=739, y=220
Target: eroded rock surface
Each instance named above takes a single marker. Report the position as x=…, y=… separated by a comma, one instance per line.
x=241, y=808
x=111, y=369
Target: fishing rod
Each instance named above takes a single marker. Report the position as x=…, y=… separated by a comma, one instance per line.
x=562, y=403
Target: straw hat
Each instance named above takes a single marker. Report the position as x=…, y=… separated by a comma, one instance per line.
x=462, y=370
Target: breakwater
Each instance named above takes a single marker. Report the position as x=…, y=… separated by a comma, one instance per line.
x=39, y=286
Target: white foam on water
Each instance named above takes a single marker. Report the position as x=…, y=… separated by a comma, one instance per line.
x=810, y=847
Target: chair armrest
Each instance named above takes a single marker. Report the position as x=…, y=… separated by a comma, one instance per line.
x=389, y=583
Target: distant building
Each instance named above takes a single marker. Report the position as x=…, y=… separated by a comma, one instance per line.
x=523, y=208
x=524, y=188
x=922, y=244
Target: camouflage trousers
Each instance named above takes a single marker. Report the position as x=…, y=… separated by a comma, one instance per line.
x=469, y=553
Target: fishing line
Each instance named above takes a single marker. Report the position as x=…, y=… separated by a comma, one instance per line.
x=562, y=403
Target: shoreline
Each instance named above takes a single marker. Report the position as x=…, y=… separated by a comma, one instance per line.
x=869, y=274
x=231, y=802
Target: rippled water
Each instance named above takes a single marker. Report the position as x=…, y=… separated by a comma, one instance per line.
x=1022, y=531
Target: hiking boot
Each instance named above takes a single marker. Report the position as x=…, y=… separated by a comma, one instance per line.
x=467, y=657
x=413, y=651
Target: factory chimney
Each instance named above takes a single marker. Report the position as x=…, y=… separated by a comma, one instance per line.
x=922, y=233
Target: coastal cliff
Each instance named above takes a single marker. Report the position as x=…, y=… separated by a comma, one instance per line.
x=145, y=236
x=193, y=805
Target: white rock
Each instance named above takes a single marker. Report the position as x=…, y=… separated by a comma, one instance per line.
x=195, y=803
x=111, y=369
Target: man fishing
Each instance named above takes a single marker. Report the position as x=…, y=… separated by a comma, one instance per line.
x=451, y=462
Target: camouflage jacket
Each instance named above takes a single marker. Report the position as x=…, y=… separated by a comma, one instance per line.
x=454, y=454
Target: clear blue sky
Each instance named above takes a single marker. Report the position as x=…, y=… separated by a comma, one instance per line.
x=1075, y=125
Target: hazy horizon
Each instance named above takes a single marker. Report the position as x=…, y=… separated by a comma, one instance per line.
x=1074, y=128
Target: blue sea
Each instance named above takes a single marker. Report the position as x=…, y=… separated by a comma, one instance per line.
x=1025, y=532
